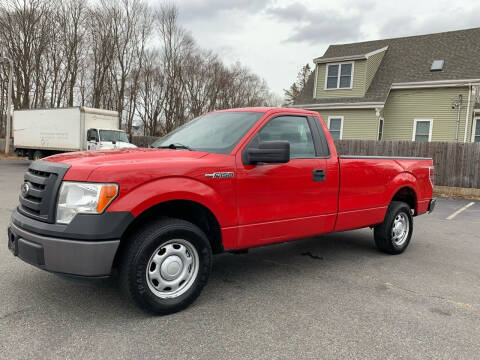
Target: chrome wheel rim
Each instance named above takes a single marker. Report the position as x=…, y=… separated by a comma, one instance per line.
x=400, y=229
x=172, y=268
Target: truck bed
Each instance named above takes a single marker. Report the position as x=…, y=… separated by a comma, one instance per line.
x=368, y=182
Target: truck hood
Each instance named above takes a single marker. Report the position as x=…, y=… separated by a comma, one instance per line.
x=83, y=163
x=123, y=156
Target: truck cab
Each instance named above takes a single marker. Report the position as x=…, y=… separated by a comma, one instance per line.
x=107, y=139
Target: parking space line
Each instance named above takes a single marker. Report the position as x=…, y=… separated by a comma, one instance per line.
x=460, y=210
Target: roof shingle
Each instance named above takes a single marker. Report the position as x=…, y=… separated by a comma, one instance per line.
x=408, y=59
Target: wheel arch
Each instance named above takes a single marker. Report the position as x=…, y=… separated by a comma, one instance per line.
x=188, y=210
x=404, y=188
x=407, y=195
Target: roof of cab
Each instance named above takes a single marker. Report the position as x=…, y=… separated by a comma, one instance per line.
x=270, y=110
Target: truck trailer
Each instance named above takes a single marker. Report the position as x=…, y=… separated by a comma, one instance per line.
x=43, y=132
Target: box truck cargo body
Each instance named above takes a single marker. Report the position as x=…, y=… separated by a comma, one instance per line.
x=42, y=132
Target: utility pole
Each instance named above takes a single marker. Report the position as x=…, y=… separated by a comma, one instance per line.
x=4, y=60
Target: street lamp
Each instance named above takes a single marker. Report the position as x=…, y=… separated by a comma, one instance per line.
x=4, y=60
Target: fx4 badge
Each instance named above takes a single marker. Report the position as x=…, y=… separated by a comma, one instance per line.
x=220, y=175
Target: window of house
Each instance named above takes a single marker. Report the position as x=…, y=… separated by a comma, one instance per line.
x=339, y=76
x=380, y=129
x=476, y=130
x=422, y=130
x=295, y=130
x=437, y=65
x=335, y=125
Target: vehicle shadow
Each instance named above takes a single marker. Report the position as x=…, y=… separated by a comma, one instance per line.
x=102, y=299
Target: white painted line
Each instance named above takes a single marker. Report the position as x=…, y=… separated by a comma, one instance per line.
x=459, y=211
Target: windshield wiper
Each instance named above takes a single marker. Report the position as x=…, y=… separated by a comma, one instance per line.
x=175, y=146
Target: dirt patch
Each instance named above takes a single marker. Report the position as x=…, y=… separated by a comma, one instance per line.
x=11, y=157
x=457, y=192
x=456, y=196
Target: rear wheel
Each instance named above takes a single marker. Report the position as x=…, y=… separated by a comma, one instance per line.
x=165, y=265
x=394, y=234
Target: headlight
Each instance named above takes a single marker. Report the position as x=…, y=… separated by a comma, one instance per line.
x=84, y=198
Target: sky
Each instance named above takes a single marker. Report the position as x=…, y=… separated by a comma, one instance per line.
x=274, y=38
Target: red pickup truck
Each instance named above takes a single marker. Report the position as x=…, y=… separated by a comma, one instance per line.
x=226, y=181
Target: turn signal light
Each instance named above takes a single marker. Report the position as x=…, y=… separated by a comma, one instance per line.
x=107, y=194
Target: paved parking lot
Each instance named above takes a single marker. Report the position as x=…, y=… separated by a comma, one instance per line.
x=333, y=296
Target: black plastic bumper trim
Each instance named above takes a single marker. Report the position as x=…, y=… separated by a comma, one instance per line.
x=109, y=225
x=31, y=252
x=66, y=256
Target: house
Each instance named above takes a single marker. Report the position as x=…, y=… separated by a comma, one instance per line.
x=420, y=88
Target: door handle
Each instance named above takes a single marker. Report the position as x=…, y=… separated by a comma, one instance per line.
x=319, y=175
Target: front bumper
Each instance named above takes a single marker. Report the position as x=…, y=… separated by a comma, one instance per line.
x=73, y=257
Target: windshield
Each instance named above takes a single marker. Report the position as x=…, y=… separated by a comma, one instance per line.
x=215, y=132
x=113, y=135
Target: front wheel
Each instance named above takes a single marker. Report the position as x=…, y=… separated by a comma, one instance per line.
x=165, y=265
x=394, y=234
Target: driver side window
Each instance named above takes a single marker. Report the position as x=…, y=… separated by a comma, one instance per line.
x=295, y=130
x=92, y=135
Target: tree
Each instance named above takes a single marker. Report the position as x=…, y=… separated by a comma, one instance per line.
x=131, y=26
x=121, y=55
x=151, y=95
x=177, y=46
x=296, y=89
x=71, y=22
x=100, y=38
x=25, y=33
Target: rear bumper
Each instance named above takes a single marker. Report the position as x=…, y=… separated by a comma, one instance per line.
x=73, y=257
x=431, y=205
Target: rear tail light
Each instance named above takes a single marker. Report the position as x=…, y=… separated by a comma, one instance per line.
x=431, y=174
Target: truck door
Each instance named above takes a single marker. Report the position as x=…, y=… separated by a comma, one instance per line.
x=92, y=139
x=284, y=201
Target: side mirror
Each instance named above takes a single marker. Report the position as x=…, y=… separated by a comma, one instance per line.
x=270, y=152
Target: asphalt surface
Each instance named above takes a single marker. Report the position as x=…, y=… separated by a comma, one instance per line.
x=328, y=297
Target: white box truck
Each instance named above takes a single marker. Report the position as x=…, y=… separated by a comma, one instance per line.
x=42, y=132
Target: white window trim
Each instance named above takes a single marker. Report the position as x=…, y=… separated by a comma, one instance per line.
x=381, y=119
x=429, y=130
x=315, y=82
x=476, y=122
x=341, y=124
x=339, y=75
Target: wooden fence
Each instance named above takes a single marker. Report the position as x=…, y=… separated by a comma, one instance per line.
x=456, y=164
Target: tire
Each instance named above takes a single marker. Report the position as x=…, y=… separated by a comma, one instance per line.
x=394, y=234
x=37, y=155
x=165, y=265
